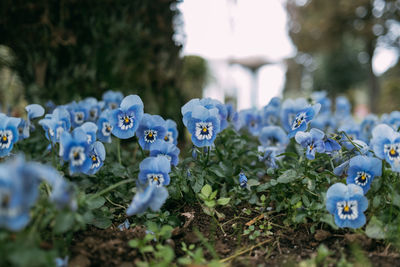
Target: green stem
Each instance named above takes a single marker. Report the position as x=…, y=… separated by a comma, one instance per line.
x=351, y=141
x=111, y=187
x=119, y=151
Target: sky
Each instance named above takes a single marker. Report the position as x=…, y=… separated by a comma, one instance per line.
x=224, y=29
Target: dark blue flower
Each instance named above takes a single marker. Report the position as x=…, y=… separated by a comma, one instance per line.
x=172, y=132
x=112, y=99
x=75, y=150
x=169, y=150
x=386, y=144
x=151, y=129
x=152, y=197
x=302, y=119
x=155, y=170
x=125, y=119
x=312, y=141
x=347, y=203
x=362, y=170
x=8, y=133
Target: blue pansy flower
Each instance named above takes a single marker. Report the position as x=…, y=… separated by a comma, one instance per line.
x=125, y=119
x=168, y=150
x=268, y=155
x=302, y=118
x=151, y=129
x=290, y=108
x=386, y=144
x=79, y=113
x=232, y=114
x=312, y=141
x=242, y=180
x=343, y=108
x=112, y=99
x=56, y=123
x=155, y=170
x=203, y=126
x=347, y=203
x=8, y=133
x=362, y=170
x=152, y=197
x=61, y=262
x=393, y=120
x=340, y=169
x=172, y=132
x=94, y=108
x=273, y=136
x=352, y=130
x=270, y=113
x=366, y=126
x=331, y=145
x=33, y=111
x=251, y=119
x=90, y=129
x=74, y=148
x=97, y=155
x=321, y=97
x=104, y=127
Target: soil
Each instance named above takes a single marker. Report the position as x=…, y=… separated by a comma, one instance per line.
x=283, y=246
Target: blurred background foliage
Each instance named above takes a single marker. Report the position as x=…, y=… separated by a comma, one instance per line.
x=336, y=41
x=69, y=50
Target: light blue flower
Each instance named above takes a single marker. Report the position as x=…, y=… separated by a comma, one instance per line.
x=124, y=226
x=273, y=136
x=347, y=203
x=112, y=99
x=19, y=182
x=61, y=262
x=321, y=97
x=151, y=129
x=232, y=114
x=312, y=141
x=104, y=127
x=94, y=108
x=79, y=113
x=125, y=119
x=75, y=150
x=366, y=126
x=24, y=127
x=394, y=120
x=362, y=170
x=242, y=180
x=251, y=119
x=290, y=108
x=97, y=154
x=385, y=143
x=8, y=133
x=269, y=156
x=168, y=150
x=90, y=129
x=270, y=113
x=155, y=170
x=203, y=125
x=172, y=132
x=331, y=145
x=352, y=130
x=56, y=123
x=302, y=119
x=343, y=108
x=152, y=197
x=339, y=170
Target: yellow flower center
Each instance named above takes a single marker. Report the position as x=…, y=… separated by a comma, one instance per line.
x=150, y=134
x=346, y=208
x=392, y=152
x=166, y=138
x=204, y=129
x=363, y=177
x=155, y=178
x=4, y=138
x=94, y=158
x=127, y=120
x=298, y=122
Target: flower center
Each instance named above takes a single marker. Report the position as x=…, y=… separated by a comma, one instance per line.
x=5, y=139
x=347, y=210
x=150, y=136
x=393, y=151
x=94, y=159
x=155, y=178
x=204, y=130
x=77, y=156
x=125, y=122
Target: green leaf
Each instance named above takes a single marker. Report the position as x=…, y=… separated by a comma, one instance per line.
x=375, y=229
x=213, y=195
x=64, y=222
x=223, y=201
x=101, y=222
x=376, y=201
x=305, y=200
x=328, y=218
x=134, y=243
x=210, y=203
x=206, y=190
x=95, y=203
x=287, y=177
x=252, y=182
x=396, y=199
x=199, y=182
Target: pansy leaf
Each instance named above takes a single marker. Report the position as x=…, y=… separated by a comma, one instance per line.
x=375, y=229
x=287, y=177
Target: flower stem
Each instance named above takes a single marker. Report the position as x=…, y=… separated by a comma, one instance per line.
x=119, y=151
x=351, y=141
x=111, y=187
